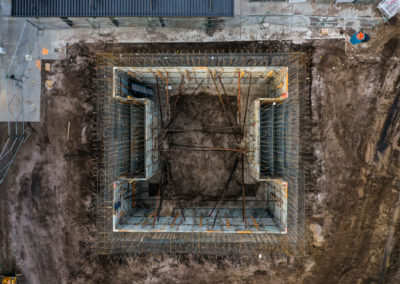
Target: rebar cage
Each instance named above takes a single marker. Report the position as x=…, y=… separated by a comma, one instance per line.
x=293, y=172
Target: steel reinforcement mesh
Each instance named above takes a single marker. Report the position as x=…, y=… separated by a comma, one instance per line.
x=298, y=155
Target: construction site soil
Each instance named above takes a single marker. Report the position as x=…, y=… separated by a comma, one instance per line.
x=47, y=202
x=202, y=111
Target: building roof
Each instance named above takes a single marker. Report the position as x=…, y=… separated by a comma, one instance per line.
x=122, y=8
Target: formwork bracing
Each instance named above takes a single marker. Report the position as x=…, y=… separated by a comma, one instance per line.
x=263, y=101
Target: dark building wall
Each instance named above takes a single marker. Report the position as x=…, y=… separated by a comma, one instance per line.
x=122, y=8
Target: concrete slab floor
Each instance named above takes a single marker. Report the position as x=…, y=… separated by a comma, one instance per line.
x=199, y=220
x=56, y=39
x=10, y=32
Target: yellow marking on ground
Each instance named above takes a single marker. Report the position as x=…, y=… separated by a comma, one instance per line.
x=200, y=68
x=244, y=232
x=242, y=74
x=216, y=231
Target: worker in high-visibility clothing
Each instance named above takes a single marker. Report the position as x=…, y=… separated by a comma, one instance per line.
x=359, y=37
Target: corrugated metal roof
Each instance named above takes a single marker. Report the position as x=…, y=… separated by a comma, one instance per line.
x=122, y=8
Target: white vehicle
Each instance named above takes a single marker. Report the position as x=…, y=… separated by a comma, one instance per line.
x=389, y=8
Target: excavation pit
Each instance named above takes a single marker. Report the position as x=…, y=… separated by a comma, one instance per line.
x=205, y=140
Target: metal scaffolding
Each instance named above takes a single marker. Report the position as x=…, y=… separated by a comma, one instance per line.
x=288, y=148
x=274, y=134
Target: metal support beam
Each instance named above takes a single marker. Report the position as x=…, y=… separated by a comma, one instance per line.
x=67, y=21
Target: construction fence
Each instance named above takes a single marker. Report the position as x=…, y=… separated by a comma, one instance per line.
x=212, y=24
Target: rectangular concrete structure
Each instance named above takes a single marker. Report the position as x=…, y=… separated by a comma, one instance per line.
x=115, y=228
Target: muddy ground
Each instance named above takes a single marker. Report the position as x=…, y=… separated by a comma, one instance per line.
x=47, y=201
x=203, y=111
